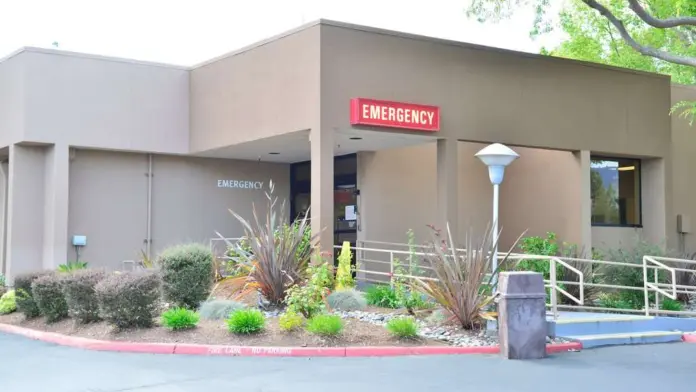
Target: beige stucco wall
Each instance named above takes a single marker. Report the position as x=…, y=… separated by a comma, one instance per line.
x=108, y=201
x=490, y=95
x=11, y=101
x=398, y=192
x=90, y=101
x=269, y=89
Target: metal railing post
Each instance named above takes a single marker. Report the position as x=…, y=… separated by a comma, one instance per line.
x=645, y=287
x=391, y=270
x=554, y=299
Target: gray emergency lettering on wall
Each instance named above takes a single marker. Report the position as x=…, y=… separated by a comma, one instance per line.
x=237, y=184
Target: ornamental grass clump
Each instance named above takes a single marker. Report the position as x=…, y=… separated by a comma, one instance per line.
x=290, y=321
x=403, y=327
x=187, y=274
x=347, y=300
x=463, y=277
x=23, y=293
x=219, y=309
x=277, y=255
x=246, y=321
x=325, y=325
x=81, y=296
x=177, y=319
x=48, y=294
x=129, y=299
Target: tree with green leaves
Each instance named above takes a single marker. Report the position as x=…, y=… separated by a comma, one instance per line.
x=649, y=35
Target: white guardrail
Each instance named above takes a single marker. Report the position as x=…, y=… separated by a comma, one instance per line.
x=378, y=265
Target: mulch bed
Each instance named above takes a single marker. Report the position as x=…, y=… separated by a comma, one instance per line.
x=355, y=333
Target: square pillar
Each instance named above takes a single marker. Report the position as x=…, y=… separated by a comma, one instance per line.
x=57, y=177
x=584, y=220
x=448, y=186
x=322, y=188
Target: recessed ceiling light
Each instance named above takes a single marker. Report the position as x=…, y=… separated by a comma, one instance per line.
x=356, y=138
x=273, y=153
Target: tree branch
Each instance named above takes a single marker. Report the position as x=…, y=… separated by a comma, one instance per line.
x=642, y=49
x=659, y=23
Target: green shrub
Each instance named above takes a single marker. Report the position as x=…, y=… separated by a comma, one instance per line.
x=23, y=295
x=218, y=309
x=290, y=321
x=347, y=300
x=325, y=325
x=613, y=301
x=246, y=321
x=129, y=299
x=180, y=318
x=80, y=295
x=71, y=266
x=308, y=299
x=382, y=296
x=8, y=302
x=48, y=294
x=670, y=304
x=187, y=274
x=3, y=280
x=403, y=327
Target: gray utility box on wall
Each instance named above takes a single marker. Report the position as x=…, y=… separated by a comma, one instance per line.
x=522, y=326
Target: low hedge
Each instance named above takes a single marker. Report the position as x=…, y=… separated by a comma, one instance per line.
x=129, y=299
x=187, y=274
x=23, y=293
x=80, y=295
x=47, y=291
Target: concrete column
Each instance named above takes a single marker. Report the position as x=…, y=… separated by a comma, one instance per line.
x=25, y=209
x=448, y=186
x=4, y=171
x=655, y=202
x=57, y=176
x=585, y=203
x=322, y=192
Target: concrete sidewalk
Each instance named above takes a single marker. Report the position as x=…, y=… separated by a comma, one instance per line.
x=27, y=365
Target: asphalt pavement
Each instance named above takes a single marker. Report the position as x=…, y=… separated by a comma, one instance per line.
x=31, y=366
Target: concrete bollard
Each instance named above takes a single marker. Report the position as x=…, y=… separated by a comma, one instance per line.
x=522, y=325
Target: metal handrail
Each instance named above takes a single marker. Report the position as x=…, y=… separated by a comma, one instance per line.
x=655, y=286
x=555, y=287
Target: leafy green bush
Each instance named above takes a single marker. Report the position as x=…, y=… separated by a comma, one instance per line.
x=129, y=299
x=48, y=294
x=80, y=295
x=180, y=318
x=325, y=325
x=308, y=299
x=347, y=300
x=23, y=295
x=246, y=321
x=382, y=296
x=539, y=246
x=218, y=309
x=187, y=274
x=71, y=266
x=670, y=304
x=8, y=302
x=403, y=327
x=290, y=321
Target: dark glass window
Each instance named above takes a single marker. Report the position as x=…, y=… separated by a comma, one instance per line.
x=615, y=184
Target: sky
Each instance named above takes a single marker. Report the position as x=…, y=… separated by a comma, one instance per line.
x=187, y=32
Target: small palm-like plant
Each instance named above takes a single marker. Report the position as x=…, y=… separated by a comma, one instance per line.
x=72, y=266
x=277, y=255
x=463, y=277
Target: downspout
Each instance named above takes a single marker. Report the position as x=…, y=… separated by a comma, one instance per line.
x=148, y=240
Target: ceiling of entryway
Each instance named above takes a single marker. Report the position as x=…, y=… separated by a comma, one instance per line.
x=295, y=146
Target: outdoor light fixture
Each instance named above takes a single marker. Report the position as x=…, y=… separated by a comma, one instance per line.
x=496, y=157
x=273, y=153
x=356, y=138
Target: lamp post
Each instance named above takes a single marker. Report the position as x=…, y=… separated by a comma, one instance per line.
x=496, y=156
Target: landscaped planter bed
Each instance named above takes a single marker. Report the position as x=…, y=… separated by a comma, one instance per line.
x=356, y=333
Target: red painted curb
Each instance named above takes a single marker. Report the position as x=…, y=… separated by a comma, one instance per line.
x=689, y=338
x=244, y=351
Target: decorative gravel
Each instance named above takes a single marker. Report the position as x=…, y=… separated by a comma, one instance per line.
x=449, y=334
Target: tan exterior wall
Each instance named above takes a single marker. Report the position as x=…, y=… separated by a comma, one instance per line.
x=489, y=95
x=398, y=192
x=94, y=102
x=12, y=98
x=108, y=201
x=684, y=165
x=269, y=89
